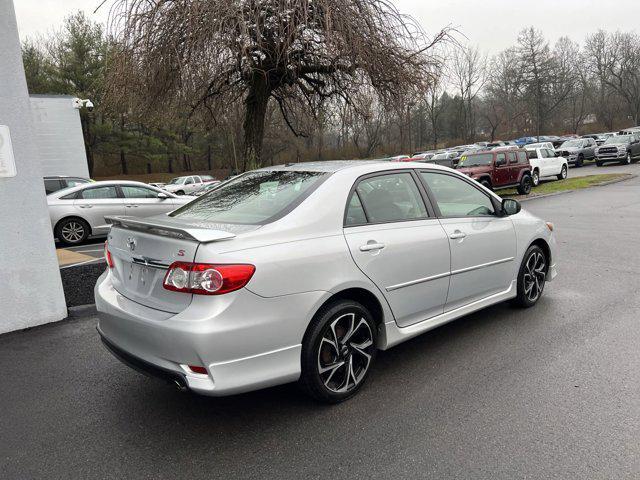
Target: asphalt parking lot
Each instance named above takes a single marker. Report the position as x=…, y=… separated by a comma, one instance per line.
x=549, y=392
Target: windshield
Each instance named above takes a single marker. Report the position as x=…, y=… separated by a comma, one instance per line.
x=476, y=160
x=177, y=181
x=253, y=198
x=440, y=156
x=572, y=143
x=618, y=139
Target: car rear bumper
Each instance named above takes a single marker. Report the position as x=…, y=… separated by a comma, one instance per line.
x=246, y=342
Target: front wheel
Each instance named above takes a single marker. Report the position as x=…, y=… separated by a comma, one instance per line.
x=563, y=173
x=338, y=351
x=599, y=164
x=524, y=188
x=627, y=159
x=486, y=184
x=579, y=161
x=180, y=192
x=531, y=277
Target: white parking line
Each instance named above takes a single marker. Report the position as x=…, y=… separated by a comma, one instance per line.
x=83, y=263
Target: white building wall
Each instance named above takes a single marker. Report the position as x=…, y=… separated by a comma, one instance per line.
x=30, y=285
x=58, y=134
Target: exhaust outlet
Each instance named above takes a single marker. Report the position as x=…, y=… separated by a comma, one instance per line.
x=180, y=384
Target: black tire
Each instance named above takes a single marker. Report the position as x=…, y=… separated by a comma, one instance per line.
x=180, y=192
x=534, y=260
x=535, y=178
x=580, y=161
x=599, y=164
x=627, y=159
x=524, y=188
x=72, y=231
x=563, y=173
x=335, y=385
x=486, y=183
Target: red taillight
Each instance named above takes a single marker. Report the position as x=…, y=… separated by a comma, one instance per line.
x=207, y=279
x=107, y=255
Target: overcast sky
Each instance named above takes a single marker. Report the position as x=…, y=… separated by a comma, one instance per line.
x=491, y=24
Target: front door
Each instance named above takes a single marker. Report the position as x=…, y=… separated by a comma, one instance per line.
x=483, y=244
x=398, y=245
x=141, y=201
x=502, y=174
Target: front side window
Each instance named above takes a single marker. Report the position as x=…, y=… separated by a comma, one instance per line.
x=456, y=197
x=391, y=198
x=253, y=198
x=99, y=193
x=130, y=191
x=534, y=153
x=512, y=157
x=501, y=159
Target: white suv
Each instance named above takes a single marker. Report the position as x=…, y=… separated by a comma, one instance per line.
x=188, y=184
x=544, y=163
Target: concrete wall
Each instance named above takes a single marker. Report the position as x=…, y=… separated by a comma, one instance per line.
x=59, y=135
x=30, y=286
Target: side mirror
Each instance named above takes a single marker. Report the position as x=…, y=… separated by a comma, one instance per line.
x=510, y=206
x=162, y=195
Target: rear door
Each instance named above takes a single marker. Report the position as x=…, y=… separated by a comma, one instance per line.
x=142, y=201
x=95, y=203
x=483, y=244
x=398, y=245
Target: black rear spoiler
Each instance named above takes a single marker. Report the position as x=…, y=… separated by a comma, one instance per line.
x=202, y=235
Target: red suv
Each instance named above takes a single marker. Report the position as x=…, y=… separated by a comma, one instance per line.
x=499, y=169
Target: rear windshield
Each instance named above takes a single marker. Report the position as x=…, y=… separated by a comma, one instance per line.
x=476, y=159
x=253, y=198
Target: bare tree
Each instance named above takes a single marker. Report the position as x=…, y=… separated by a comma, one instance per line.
x=433, y=107
x=468, y=76
x=615, y=59
x=208, y=54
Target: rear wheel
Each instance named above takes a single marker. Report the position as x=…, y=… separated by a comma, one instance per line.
x=524, y=188
x=535, y=178
x=72, y=231
x=563, y=173
x=338, y=351
x=531, y=277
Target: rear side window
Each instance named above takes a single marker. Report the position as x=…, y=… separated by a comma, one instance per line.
x=254, y=198
x=355, y=212
x=522, y=157
x=391, y=198
x=72, y=182
x=52, y=185
x=99, y=193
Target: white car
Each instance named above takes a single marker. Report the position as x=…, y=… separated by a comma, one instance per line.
x=77, y=213
x=302, y=272
x=544, y=163
x=188, y=184
x=533, y=146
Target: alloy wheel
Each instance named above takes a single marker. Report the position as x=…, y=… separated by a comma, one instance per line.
x=564, y=172
x=72, y=232
x=534, y=276
x=536, y=179
x=628, y=158
x=345, y=352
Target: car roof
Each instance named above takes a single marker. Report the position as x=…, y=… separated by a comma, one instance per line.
x=103, y=183
x=361, y=166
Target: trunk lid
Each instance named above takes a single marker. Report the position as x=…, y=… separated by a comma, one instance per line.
x=143, y=249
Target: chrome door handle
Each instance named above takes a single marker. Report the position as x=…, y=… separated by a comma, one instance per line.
x=132, y=206
x=457, y=235
x=369, y=247
x=85, y=206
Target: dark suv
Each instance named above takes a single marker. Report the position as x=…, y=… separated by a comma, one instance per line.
x=620, y=148
x=499, y=169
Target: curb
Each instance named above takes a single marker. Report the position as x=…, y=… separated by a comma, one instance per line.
x=601, y=184
x=81, y=310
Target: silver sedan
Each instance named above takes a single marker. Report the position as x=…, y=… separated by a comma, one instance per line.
x=303, y=272
x=77, y=213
